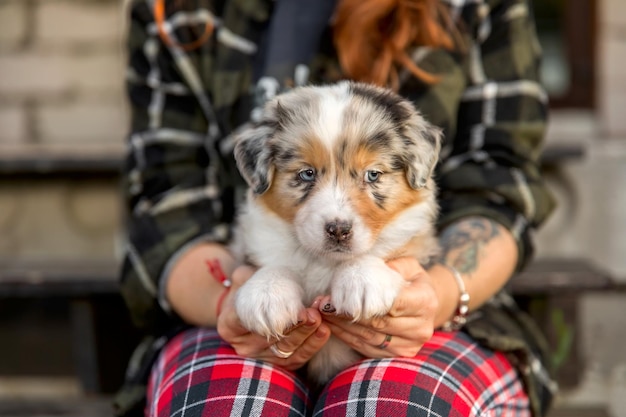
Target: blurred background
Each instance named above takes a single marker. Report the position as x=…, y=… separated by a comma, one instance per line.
x=63, y=121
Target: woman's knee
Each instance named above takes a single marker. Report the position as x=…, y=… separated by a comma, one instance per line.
x=199, y=373
x=451, y=376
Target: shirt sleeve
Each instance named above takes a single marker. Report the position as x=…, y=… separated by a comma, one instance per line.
x=491, y=166
x=177, y=186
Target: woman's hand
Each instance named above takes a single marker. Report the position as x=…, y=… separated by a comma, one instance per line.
x=304, y=339
x=403, y=331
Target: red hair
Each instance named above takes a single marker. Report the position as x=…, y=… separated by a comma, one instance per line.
x=373, y=37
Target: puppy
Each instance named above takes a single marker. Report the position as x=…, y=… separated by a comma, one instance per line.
x=340, y=181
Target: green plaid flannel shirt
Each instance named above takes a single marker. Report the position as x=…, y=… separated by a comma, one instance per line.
x=181, y=185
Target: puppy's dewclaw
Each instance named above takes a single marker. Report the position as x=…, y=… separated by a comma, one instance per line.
x=340, y=181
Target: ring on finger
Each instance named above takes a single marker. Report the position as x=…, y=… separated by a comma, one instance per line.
x=279, y=353
x=385, y=342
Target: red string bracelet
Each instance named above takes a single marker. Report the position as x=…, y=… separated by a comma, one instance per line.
x=216, y=270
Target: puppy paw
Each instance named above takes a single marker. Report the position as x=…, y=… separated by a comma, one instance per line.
x=269, y=302
x=365, y=288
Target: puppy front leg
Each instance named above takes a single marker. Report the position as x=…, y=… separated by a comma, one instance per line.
x=365, y=288
x=269, y=302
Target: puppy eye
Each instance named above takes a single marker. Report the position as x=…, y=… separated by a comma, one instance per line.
x=372, y=176
x=307, y=175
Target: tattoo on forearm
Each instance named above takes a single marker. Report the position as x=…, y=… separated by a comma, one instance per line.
x=462, y=243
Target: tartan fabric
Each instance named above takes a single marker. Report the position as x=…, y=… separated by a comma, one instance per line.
x=451, y=376
x=181, y=183
x=197, y=374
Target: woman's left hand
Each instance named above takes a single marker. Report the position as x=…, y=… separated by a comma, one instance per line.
x=404, y=330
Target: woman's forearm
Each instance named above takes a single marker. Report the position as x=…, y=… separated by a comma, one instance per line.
x=194, y=287
x=484, y=253
x=482, y=250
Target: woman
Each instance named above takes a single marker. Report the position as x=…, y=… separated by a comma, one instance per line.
x=199, y=70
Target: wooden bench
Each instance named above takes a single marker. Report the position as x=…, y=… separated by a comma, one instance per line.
x=88, y=287
x=76, y=279
x=63, y=407
x=102, y=334
x=549, y=288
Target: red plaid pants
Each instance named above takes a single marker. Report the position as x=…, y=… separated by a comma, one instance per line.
x=198, y=374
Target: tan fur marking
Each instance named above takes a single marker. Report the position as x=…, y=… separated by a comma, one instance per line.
x=393, y=185
x=315, y=154
x=282, y=197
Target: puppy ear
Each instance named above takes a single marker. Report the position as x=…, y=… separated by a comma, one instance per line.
x=253, y=150
x=422, y=152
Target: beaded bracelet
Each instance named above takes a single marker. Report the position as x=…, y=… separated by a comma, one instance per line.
x=460, y=315
x=215, y=269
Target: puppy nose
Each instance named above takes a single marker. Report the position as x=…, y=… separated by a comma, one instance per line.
x=340, y=231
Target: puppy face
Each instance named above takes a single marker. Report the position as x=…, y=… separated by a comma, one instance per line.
x=340, y=164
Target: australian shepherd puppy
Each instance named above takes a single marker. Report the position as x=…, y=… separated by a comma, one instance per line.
x=340, y=181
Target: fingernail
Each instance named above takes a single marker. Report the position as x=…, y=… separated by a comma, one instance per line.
x=328, y=308
x=320, y=332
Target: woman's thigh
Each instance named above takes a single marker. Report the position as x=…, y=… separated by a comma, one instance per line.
x=198, y=374
x=451, y=376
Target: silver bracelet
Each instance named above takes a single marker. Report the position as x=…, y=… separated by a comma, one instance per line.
x=460, y=315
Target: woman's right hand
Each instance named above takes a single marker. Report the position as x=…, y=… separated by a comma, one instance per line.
x=304, y=340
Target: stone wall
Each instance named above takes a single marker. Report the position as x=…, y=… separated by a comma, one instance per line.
x=612, y=66
x=62, y=67
x=59, y=220
x=591, y=216
x=61, y=72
